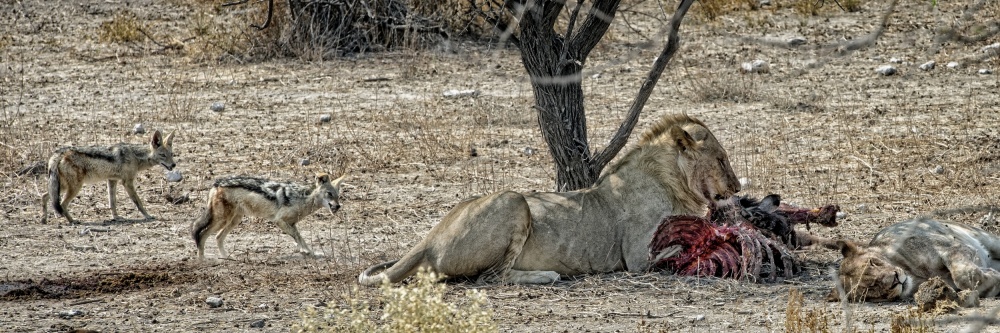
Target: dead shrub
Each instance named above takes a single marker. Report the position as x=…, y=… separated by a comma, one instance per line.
x=798, y=319
x=124, y=27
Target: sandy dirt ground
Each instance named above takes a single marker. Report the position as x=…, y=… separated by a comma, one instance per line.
x=820, y=128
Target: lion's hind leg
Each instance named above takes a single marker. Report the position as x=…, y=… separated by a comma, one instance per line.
x=969, y=274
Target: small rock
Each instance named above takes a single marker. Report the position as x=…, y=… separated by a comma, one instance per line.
x=953, y=65
x=698, y=318
x=765, y=3
x=325, y=118
x=928, y=65
x=174, y=176
x=886, y=70
x=896, y=60
x=985, y=71
x=745, y=183
x=529, y=151
x=218, y=106
x=138, y=129
x=862, y=208
x=596, y=76
x=938, y=170
x=934, y=295
x=177, y=199
x=796, y=41
x=259, y=323
x=214, y=301
x=461, y=93
x=992, y=48
x=304, y=162
x=840, y=215
x=472, y=151
x=68, y=314
x=756, y=66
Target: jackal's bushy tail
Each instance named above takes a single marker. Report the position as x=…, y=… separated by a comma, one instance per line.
x=201, y=225
x=54, y=190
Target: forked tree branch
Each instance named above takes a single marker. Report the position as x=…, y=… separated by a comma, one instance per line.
x=621, y=136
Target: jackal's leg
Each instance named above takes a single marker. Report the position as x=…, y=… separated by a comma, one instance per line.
x=111, y=198
x=72, y=190
x=45, y=207
x=130, y=188
x=227, y=225
x=289, y=229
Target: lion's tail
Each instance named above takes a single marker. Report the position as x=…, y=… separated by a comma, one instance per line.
x=394, y=271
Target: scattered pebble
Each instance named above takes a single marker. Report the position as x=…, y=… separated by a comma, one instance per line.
x=896, y=60
x=177, y=199
x=596, y=76
x=938, y=170
x=928, y=65
x=765, y=3
x=174, y=176
x=840, y=215
x=953, y=65
x=985, y=71
x=992, y=48
x=259, y=323
x=214, y=301
x=325, y=118
x=461, y=93
x=304, y=162
x=756, y=66
x=745, y=183
x=138, y=129
x=218, y=106
x=698, y=318
x=862, y=208
x=796, y=41
x=529, y=151
x=68, y=314
x=886, y=70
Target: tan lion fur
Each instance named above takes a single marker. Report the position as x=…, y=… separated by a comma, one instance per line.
x=284, y=203
x=72, y=167
x=902, y=256
x=535, y=237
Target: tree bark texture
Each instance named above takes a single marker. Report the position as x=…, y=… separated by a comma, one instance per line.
x=555, y=63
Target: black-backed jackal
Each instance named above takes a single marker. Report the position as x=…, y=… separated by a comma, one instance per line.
x=283, y=203
x=72, y=167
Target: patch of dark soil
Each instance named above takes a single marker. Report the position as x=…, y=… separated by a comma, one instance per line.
x=100, y=282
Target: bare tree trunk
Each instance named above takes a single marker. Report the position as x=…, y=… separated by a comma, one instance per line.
x=555, y=64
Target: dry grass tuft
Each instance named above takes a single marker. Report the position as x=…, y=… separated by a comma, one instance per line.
x=416, y=307
x=124, y=27
x=799, y=319
x=912, y=321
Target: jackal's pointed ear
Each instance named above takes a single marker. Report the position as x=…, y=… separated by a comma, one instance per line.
x=682, y=139
x=322, y=178
x=170, y=139
x=336, y=182
x=157, y=140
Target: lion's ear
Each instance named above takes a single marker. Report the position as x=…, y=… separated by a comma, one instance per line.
x=682, y=139
x=848, y=248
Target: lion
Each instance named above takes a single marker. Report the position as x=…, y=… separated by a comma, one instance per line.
x=677, y=167
x=903, y=256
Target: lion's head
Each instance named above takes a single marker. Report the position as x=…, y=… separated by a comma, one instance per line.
x=867, y=275
x=701, y=161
